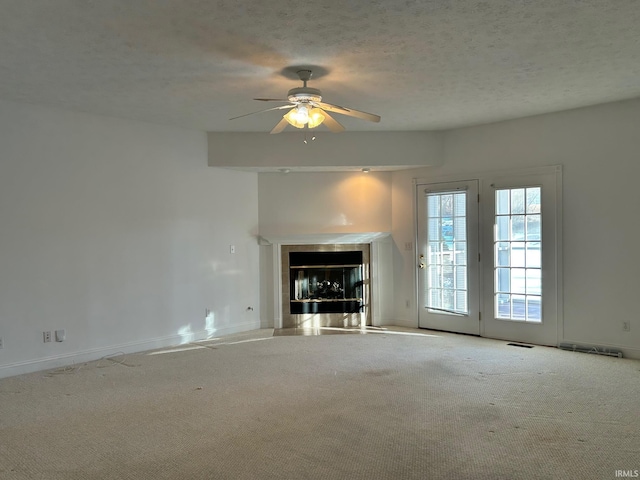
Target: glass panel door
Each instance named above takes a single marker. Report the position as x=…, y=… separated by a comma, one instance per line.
x=521, y=292
x=448, y=256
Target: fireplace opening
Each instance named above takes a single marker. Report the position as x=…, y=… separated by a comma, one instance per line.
x=326, y=282
x=326, y=285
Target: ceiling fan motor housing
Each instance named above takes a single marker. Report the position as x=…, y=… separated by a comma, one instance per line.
x=304, y=95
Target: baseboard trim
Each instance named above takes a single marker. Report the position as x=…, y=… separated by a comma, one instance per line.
x=402, y=323
x=627, y=352
x=71, y=358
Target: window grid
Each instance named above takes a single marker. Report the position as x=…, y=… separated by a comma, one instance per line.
x=447, y=252
x=518, y=254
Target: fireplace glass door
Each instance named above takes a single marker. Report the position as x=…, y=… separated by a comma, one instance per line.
x=326, y=282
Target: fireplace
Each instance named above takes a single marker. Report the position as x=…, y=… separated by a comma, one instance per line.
x=325, y=285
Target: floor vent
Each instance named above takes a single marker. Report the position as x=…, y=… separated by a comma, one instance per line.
x=520, y=345
x=610, y=352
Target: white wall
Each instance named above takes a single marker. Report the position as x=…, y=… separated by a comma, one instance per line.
x=348, y=149
x=324, y=202
x=598, y=148
x=298, y=204
x=119, y=233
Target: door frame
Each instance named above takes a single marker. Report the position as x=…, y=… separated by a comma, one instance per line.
x=464, y=323
x=485, y=178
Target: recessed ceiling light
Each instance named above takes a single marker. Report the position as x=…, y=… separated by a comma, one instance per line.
x=284, y=170
x=366, y=170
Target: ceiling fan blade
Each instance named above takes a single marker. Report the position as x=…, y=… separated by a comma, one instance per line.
x=265, y=110
x=280, y=126
x=349, y=112
x=271, y=100
x=332, y=124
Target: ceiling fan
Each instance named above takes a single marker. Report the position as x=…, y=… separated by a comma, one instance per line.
x=306, y=109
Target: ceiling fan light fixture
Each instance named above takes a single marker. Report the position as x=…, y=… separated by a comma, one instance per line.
x=302, y=115
x=316, y=117
x=298, y=116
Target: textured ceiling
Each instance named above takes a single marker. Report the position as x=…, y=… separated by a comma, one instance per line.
x=421, y=65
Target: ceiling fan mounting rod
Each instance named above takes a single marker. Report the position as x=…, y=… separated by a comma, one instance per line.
x=305, y=76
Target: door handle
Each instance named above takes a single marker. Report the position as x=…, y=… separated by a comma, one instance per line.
x=421, y=263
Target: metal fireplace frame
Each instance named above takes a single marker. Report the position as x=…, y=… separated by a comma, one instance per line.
x=315, y=320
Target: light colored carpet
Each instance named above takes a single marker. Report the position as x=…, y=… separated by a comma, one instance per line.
x=404, y=404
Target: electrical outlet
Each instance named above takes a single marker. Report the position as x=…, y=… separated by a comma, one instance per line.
x=626, y=326
x=46, y=337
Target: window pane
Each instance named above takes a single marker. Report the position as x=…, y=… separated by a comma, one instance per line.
x=518, y=307
x=502, y=228
x=503, y=254
x=517, y=227
x=503, y=305
x=461, y=301
x=434, y=276
x=533, y=200
x=534, y=310
x=460, y=249
x=433, y=254
x=460, y=204
x=448, y=300
x=517, y=201
x=533, y=227
x=447, y=276
x=433, y=234
x=517, y=254
x=502, y=202
x=518, y=280
x=447, y=232
x=461, y=278
x=503, y=276
x=434, y=298
x=533, y=254
x=447, y=205
x=534, y=283
x=433, y=205
x=460, y=228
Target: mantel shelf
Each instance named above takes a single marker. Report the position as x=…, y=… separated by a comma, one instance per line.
x=324, y=238
x=324, y=300
x=325, y=266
